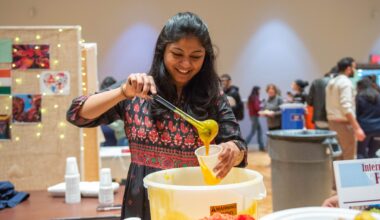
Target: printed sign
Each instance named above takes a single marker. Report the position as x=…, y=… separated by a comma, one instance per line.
x=358, y=183
x=230, y=209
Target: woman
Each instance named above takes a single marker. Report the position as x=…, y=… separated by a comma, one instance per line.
x=298, y=88
x=368, y=115
x=254, y=108
x=272, y=108
x=182, y=72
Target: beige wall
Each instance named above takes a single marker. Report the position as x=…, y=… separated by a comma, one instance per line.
x=263, y=41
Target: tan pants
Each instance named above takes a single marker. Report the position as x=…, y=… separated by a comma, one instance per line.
x=346, y=139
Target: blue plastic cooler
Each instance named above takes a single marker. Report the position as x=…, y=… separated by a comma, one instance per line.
x=292, y=116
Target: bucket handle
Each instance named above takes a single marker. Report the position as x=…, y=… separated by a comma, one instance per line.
x=334, y=147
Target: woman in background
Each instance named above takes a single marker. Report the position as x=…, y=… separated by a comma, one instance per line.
x=298, y=88
x=271, y=108
x=254, y=108
x=368, y=115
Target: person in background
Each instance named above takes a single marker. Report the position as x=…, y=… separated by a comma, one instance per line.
x=340, y=108
x=114, y=132
x=316, y=99
x=298, y=88
x=253, y=109
x=182, y=72
x=368, y=115
x=271, y=108
x=233, y=96
x=107, y=82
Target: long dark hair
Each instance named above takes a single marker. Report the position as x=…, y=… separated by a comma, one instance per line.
x=366, y=89
x=200, y=93
x=254, y=93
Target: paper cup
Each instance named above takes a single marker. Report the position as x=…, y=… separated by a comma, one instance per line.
x=208, y=162
x=105, y=177
x=71, y=166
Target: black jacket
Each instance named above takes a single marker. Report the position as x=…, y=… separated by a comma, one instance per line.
x=238, y=109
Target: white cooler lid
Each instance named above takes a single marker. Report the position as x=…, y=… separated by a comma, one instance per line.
x=292, y=105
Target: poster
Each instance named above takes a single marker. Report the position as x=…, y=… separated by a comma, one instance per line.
x=5, y=130
x=55, y=83
x=5, y=82
x=26, y=108
x=5, y=50
x=30, y=56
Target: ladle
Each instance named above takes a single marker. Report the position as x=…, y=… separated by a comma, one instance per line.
x=207, y=129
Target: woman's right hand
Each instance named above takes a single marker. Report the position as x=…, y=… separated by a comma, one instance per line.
x=139, y=84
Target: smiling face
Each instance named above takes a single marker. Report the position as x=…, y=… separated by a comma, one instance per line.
x=183, y=60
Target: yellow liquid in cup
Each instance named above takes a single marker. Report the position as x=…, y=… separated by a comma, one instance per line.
x=208, y=175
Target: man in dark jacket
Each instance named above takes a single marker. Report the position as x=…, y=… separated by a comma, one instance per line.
x=233, y=96
x=316, y=98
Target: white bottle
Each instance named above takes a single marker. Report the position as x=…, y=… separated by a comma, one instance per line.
x=72, y=180
x=105, y=187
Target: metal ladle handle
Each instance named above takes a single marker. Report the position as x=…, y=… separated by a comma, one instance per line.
x=170, y=106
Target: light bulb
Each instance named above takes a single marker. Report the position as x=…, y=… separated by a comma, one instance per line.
x=84, y=135
x=83, y=74
x=60, y=30
x=58, y=45
x=39, y=125
x=6, y=107
x=38, y=134
x=17, y=138
x=55, y=106
x=38, y=37
x=18, y=80
x=17, y=39
x=62, y=136
x=38, y=76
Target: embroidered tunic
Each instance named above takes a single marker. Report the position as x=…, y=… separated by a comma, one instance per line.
x=167, y=142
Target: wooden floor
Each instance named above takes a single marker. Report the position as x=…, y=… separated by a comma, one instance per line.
x=260, y=161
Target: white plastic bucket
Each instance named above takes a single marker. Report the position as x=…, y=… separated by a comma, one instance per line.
x=180, y=194
x=315, y=213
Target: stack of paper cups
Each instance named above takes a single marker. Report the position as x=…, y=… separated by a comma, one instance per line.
x=72, y=180
x=105, y=187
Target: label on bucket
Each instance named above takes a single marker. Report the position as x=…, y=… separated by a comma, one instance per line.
x=230, y=209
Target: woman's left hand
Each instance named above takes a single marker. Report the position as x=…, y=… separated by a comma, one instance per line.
x=227, y=159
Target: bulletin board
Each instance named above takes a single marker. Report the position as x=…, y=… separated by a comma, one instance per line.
x=45, y=71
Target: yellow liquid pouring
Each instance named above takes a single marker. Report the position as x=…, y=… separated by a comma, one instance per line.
x=207, y=131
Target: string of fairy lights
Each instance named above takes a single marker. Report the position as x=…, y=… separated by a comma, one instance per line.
x=45, y=110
